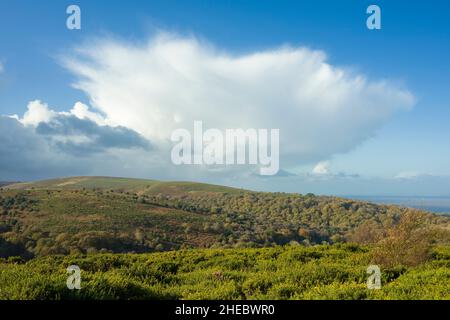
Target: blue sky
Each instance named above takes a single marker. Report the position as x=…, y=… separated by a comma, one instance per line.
x=411, y=51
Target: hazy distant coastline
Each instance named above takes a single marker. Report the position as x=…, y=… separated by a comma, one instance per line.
x=434, y=204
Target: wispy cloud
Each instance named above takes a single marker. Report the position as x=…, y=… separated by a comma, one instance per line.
x=411, y=175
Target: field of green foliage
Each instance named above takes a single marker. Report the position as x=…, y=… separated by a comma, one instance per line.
x=106, y=215
x=284, y=272
x=146, y=239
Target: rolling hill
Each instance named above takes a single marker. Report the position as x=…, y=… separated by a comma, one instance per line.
x=120, y=215
x=235, y=244
x=5, y=183
x=120, y=185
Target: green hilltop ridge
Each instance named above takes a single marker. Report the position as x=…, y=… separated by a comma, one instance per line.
x=119, y=184
x=120, y=215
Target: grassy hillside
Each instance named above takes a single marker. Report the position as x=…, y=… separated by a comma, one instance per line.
x=99, y=214
x=5, y=183
x=289, y=272
x=231, y=243
x=119, y=184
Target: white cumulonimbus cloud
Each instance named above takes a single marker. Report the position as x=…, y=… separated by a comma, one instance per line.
x=170, y=81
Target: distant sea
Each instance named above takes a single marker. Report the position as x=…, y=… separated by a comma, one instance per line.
x=433, y=204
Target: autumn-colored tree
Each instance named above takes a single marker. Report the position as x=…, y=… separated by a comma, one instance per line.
x=407, y=243
x=368, y=232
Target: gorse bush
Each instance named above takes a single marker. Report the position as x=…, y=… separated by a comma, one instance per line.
x=289, y=272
